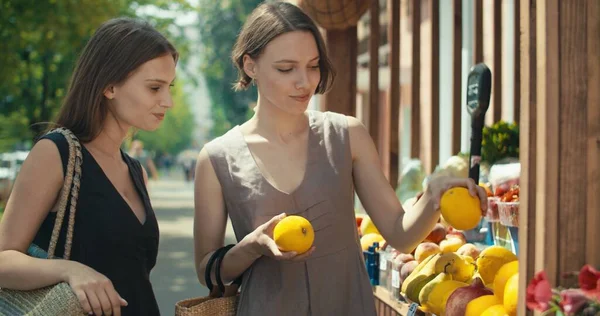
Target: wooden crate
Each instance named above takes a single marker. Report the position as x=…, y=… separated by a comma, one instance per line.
x=390, y=307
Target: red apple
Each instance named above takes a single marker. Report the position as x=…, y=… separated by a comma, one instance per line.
x=458, y=300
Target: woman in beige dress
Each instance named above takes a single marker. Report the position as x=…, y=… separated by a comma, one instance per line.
x=289, y=160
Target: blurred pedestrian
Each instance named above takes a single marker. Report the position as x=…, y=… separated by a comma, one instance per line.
x=136, y=151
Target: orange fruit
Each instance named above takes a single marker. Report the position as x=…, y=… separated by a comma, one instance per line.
x=294, y=233
x=461, y=210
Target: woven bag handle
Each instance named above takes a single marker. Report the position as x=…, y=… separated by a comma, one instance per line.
x=70, y=187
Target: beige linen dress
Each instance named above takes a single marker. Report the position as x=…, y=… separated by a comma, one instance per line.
x=333, y=280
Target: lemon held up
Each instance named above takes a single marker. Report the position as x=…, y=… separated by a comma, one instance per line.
x=460, y=209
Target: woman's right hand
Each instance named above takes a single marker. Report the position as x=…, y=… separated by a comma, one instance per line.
x=95, y=292
x=264, y=245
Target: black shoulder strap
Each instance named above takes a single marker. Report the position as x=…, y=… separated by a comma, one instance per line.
x=63, y=147
x=138, y=177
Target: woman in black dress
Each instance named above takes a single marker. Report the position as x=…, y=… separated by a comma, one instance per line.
x=121, y=81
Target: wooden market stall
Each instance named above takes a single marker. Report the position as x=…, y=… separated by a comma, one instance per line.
x=555, y=97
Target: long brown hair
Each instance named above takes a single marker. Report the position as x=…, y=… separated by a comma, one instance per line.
x=117, y=48
x=268, y=21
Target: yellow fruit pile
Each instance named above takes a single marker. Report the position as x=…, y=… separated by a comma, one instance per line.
x=479, y=305
x=505, y=298
x=368, y=232
x=367, y=240
x=436, y=277
x=491, y=260
x=445, y=262
x=501, y=278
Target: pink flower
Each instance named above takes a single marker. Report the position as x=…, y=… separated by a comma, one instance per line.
x=589, y=281
x=539, y=293
x=572, y=300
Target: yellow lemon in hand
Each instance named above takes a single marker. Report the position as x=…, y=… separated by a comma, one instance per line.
x=294, y=233
x=461, y=210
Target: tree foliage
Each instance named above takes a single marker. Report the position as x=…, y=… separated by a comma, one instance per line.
x=220, y=23
x=500, y=141
x=40, y=41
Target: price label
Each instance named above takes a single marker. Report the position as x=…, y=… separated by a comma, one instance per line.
x=395, y=279
x=412, y=309
x=382, y=263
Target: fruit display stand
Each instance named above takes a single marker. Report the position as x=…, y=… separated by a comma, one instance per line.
x=463, y=287
x=447, y=270
x=462, y=259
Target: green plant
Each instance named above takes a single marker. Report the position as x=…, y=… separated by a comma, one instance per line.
x=500, y=141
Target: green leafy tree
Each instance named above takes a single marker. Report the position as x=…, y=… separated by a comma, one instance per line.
x=220, y=23
x=175, y=132
x=40, y=41
x=500, y=141
x=14, y=126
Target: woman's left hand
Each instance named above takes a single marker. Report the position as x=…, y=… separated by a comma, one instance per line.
x=439, y=185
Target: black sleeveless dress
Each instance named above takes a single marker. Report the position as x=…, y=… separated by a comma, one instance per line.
x=108, y=237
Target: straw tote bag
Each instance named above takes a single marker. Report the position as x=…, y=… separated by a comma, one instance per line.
x=221, y=301
x=57, y=299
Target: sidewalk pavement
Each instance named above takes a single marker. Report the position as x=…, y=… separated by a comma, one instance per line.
x=174, y=276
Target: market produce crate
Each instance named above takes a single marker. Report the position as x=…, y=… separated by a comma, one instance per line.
x=389, y=307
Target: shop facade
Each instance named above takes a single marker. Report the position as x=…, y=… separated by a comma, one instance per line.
x=402, y=67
